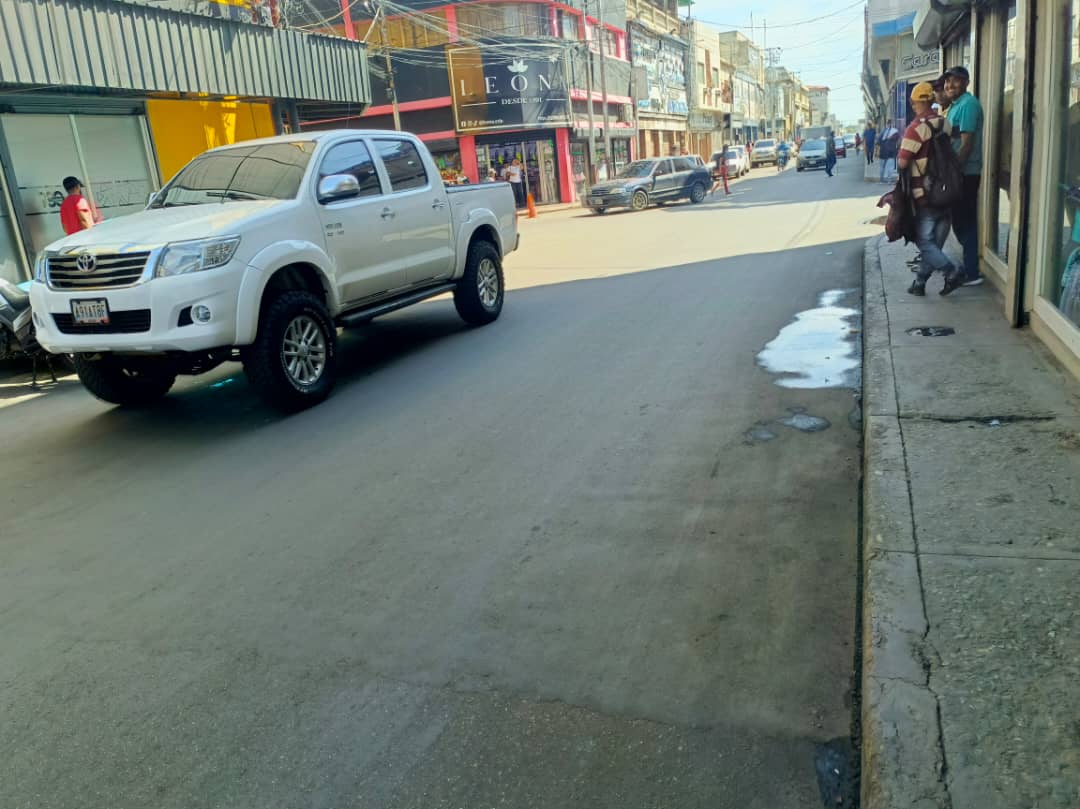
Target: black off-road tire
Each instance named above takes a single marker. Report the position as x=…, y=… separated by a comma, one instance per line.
x=479, y=294
x=639, y=201
x=265, y=363
x=697, y=193
x=126, y=381
x=599, y=211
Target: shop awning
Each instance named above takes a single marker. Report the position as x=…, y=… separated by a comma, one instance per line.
x=108, y=46
x=935, y=18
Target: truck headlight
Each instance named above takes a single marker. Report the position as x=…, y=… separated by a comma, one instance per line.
x=184, y=257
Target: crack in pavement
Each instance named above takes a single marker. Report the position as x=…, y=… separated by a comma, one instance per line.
x=920, y=650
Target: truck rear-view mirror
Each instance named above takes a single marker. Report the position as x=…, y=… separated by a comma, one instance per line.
x=338, y=187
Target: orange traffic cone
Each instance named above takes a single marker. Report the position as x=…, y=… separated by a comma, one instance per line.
x=530, y=203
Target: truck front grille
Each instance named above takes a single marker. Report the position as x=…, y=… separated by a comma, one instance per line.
x=109, y=270
x=131, y=321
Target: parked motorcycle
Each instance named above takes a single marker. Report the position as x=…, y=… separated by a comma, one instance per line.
x=17, y=337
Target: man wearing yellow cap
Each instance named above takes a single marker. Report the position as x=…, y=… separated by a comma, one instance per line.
x=931, y=224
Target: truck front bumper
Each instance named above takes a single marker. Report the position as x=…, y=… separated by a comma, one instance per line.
x=150, y=317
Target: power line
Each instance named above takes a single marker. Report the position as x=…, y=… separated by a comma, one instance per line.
x=797, y=24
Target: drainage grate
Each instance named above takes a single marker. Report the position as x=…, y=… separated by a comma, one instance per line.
x=932, y=331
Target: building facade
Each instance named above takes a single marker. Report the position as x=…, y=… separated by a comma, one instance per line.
x=660, y=57
x=894, y=61
x=711, y=90
x=819, y=104
x=484, y=83
x=137, y=91
x=788, y=101
x=1024, y=58
x=748, y=93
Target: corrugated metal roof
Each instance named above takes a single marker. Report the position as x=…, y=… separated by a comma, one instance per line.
x=101, y=44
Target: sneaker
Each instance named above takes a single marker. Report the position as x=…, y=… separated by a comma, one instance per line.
x=973, y=282
x=917, y=288
x=953, y=280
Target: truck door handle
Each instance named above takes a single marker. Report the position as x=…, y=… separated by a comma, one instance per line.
x=438, y=204
x=387, y=214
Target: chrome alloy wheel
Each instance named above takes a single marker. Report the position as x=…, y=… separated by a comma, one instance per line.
x=487, y=283
x=303, y=351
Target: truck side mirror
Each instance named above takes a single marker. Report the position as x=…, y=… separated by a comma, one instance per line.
x=337, y=187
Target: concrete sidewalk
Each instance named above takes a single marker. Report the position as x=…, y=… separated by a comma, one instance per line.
x=971, y=607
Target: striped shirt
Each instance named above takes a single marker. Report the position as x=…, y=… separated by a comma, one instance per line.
x=915, y=148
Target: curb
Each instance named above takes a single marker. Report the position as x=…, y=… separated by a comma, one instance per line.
x=902, y=755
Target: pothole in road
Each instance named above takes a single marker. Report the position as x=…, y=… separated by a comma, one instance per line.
x=819, y=348
x=798, y=419
x=805, y=423
x=932, y=331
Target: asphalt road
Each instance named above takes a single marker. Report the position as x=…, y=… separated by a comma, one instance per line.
x=575, y=558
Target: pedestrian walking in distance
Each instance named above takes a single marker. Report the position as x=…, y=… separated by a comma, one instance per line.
x=966, y=119
x=918, y=157
x=869, y=136
x=721, y=171
x=830, y=152
x=888, y=143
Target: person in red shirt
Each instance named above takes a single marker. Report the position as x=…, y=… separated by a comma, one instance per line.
x=75, y=211
x=931, y=224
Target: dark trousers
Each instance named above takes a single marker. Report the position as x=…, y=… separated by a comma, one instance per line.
x=519, y=194
x=869, y=153
x=830, y=164
x=965, y=224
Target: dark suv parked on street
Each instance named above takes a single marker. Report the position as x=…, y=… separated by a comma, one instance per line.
x=656, y=179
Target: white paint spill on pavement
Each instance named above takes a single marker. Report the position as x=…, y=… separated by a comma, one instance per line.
x=817, y=350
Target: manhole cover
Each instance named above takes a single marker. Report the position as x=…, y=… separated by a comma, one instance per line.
x=931, y=331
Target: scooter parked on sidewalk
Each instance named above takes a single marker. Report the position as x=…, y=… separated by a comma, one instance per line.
x=17, y=338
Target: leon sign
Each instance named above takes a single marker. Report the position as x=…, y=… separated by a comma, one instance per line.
x=493, y=91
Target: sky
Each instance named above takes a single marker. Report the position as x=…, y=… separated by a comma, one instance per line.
x=822, y=51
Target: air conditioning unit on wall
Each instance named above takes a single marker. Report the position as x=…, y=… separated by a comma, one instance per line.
x=626, y=113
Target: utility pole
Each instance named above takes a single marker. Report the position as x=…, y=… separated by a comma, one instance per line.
x=589, y=109
x=608, y=161
x=390, y=89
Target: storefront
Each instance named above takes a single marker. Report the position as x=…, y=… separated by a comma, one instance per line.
x=513, y=106
x=110, y=153
x=1029, y=208
x=538, y=156
x=1051, y=285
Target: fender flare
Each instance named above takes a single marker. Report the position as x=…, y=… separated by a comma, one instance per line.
x=477, y=219
x=261, y=269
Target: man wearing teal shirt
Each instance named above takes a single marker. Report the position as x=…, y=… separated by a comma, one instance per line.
x=966, y=119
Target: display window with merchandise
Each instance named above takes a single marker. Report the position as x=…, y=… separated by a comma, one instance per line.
x=1062, y=277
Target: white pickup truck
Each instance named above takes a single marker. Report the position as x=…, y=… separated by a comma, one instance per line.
x=258, y=252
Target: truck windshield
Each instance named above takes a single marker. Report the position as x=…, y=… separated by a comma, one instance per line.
x=639, y=168
x=265, y=171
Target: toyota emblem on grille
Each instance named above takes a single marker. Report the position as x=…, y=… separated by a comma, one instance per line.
x=86, y=262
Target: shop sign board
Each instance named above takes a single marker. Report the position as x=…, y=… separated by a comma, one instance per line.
x=500, y=90
x=664, y=61
x=701, y=121
x=912, y=61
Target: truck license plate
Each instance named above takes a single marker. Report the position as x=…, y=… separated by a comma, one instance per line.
x=92, y=311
